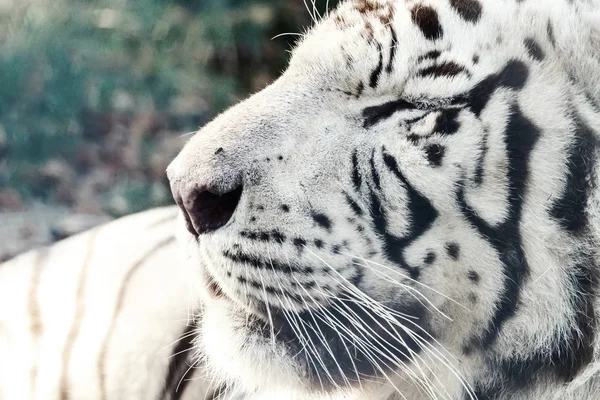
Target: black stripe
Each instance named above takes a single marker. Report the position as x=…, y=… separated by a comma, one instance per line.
x=374, y=172
x=374, y=79
x=255, y=262
x=479, y=168
x=570, y=209
x=422, y=216
x=354, y=205
x=356, y=178
x=534, y=49
x=426, y=18
x=322, y=220
x=520, y=139
x=592, y=101
x=469, y=10
x=374, y=114
x=264, y=236
x=514, y=76
x=567, y=355
x=179, y=363
x=447, y=121
x=390, y=65
x=422, y=212
x=430, y=55
x=550, y=31
x=447, y=69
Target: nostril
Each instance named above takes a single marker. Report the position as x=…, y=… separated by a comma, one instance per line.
x=205, y=211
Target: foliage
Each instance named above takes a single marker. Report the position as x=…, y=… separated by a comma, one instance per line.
x=106, y=85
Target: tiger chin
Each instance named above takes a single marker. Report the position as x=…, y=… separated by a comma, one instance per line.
x=410, y=211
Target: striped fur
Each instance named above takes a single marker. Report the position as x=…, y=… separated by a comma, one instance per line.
x=410, y=212
x=101, y=315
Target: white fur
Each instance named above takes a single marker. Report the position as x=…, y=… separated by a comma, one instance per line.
x=306, y=117
x=312, y=118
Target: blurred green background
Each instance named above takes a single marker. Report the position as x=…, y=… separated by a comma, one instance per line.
x=96, y=95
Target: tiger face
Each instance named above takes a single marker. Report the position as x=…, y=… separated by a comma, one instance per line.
x=408, y=208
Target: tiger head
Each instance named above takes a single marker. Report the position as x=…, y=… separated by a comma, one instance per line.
x=409, y=207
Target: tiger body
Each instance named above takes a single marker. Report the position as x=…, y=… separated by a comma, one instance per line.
x=410, y=212
x=102, y=316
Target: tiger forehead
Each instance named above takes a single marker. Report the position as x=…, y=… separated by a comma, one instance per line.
x=468, y=10
x=381, y=9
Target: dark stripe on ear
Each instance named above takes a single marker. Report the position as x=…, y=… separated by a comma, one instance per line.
x=520, y=139
x=377, y=71
x=570, y=209
x=179, y=364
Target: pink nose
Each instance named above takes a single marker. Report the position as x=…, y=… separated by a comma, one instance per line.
x=206, y=209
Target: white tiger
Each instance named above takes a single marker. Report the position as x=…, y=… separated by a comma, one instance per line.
x=99, y=316
x=410, y=212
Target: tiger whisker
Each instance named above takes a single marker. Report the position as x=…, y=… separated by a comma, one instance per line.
x=308, y=344
x=302, y=338
x=195, y=363
x=186, y=134
x=312, y=16
x=378, y=339
x=286, y=34
x=358, y=292
x=193, y=333
x=367, y=353
x=367, y=261
x=444, y=360
x=358, y=341
x=266, y=302
x=410, y=290
x=424, y=344
x=321, y=335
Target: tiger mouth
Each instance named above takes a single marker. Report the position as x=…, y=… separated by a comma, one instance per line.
x=214, y=289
